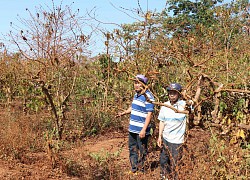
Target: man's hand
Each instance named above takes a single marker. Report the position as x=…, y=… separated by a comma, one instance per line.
x=124, y=112
x=142, y=134
x=159, y=141
x=119, y=114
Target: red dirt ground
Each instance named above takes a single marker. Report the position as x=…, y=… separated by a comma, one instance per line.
x=38, y=165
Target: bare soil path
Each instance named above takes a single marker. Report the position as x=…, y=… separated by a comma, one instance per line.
x=38, y=166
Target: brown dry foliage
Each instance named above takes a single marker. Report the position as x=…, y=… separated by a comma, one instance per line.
x=52, y=105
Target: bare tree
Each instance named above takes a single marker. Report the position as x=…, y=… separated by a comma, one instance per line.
x=52, y=42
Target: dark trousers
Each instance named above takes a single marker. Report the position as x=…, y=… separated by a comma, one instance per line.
x=138, y=149
x=169, y=157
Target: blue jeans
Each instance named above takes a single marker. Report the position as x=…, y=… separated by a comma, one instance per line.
x=138, y=149
x=169, y=157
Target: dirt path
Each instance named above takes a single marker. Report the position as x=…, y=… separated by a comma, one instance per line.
x=77, y=162
x=37, y=165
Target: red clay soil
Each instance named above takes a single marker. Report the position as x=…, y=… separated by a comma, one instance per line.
x=38, y=165
x=86, y=158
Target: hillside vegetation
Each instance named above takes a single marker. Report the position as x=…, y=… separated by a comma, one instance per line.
x=54, y=97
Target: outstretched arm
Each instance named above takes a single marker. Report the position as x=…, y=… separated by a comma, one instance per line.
x=124, y=112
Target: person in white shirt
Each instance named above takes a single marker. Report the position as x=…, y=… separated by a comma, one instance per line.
x=172, y=129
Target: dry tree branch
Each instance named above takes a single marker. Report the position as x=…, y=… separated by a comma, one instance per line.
x=71, y=90
x=143, y=92
x=198, y=91
x=214, y=113
x=236, y=90
x=41, y=84
x=163, y=104
x=217, y=89
x=244, y=126
x=101, y=22
x=188, y=86
x=23, y=53
x=125, y=12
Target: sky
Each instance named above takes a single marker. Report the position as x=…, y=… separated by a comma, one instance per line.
x=106, y=11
